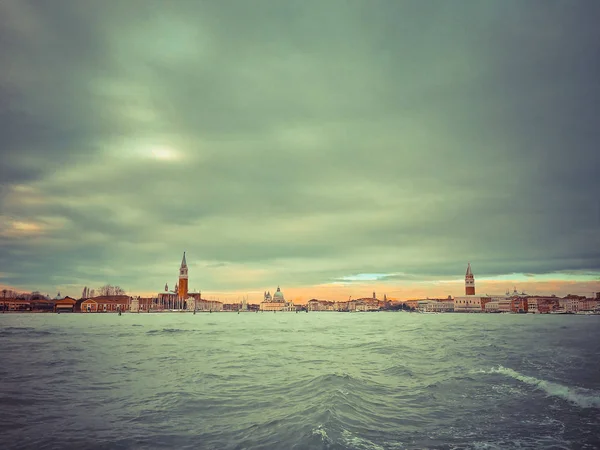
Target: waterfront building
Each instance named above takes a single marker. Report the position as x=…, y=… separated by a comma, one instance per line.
x=43, y=305
x=542, y=305
x=341, y=306
x=569, y=304
x=367, y=304
x=412, y=304
x=226, y=306
x=142, y=304
x=276, y=303
x=588, y=304
x=201, y=304
x=471, y=303
x=475, y=303
x=106, y=303
x=134, y=304
x=492, y=306
x=21, y=304
x=533, y=305
x=468, y=302
x=176, y=298
x=66, y=304
x=326, y=305
x=360, y=304
x=436, y=305
x=15, y=304
x=504, y=305
x=519, y=305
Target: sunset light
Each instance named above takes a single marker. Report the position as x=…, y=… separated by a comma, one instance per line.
x=315, y=224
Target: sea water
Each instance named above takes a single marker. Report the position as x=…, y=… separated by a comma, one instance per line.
x=386, y=380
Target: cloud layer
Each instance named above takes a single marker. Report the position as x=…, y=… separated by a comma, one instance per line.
x=296, y=143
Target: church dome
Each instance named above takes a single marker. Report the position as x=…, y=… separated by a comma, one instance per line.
x=278, y=296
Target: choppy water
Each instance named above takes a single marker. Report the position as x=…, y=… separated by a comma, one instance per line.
x=296, y=381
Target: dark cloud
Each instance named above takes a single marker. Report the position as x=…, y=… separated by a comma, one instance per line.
x=298, y=143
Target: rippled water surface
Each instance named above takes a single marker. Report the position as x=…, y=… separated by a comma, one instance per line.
x=296, y=381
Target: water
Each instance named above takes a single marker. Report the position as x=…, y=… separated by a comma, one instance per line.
x=299, y=381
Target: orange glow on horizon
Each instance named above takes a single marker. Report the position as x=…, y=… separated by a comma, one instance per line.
x=301, y=295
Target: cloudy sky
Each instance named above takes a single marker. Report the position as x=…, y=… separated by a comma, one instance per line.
x=331, y=147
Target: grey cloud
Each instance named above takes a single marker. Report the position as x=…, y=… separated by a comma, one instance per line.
x=428, y=133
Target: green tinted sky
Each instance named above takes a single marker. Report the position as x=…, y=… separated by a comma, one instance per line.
x=297, y=143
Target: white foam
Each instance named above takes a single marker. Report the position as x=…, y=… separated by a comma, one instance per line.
x=358, y=442
x=321, y=432
x=585, y=398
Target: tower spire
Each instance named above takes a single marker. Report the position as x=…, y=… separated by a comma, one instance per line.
x=182, y=285
x=183, y=262
x=469, y=281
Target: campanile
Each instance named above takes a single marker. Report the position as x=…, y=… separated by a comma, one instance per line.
x=469, y=282
x=182, y=286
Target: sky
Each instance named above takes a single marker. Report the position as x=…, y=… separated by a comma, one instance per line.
x=332, y=148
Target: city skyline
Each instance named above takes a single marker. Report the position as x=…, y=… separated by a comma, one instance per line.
x=329, y=148
x=351, y=289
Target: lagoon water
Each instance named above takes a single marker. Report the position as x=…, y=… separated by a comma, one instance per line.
x=299, y=381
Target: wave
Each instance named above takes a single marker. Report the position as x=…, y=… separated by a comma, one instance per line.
x=29, y=331
x=584, y=398
x=346, y=439
x=167, y=330
x=353, y=441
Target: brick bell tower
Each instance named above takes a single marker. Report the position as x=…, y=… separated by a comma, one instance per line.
x=182, y=286
x=469, y=282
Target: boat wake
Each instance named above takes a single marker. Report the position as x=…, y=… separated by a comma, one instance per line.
x=584, y=398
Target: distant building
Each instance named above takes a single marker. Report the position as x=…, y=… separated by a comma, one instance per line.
x=436, y=305
x=183, y=279
x=468, y=303
x=542, y=305
x=106, y=303
x=276, y=303
x=492, y=306
x=176, y=299
x=66, y=304
x=15, y=304
x=569, y=304
x=193, y=303
x=469, y=281
x=589, y=304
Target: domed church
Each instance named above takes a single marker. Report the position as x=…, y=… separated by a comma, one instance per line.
x=276, y=303
x=278, y=297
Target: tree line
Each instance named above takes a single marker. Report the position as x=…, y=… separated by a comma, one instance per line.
x=106, y=290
